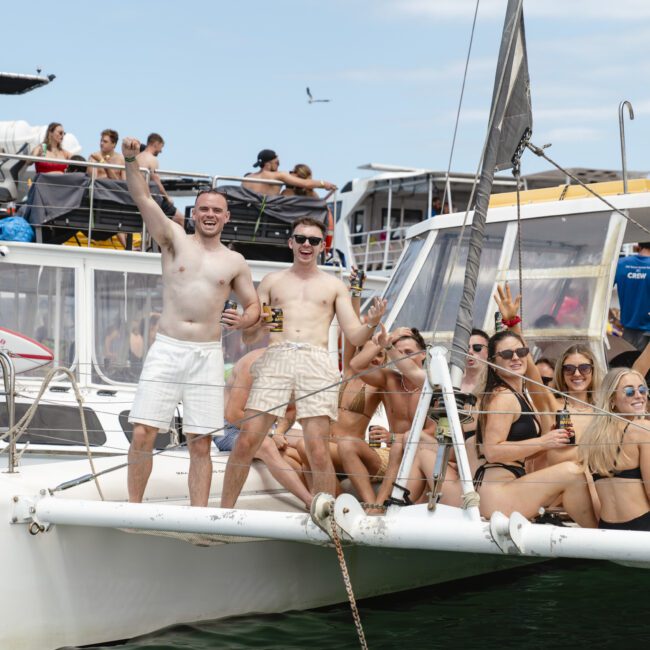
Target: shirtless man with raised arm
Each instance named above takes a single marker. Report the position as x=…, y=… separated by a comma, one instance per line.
x=269, y=164
x=297, y=360
x=185, y=361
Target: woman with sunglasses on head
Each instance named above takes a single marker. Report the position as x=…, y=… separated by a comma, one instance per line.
x=510, y=434
x=52, y=148
x=616, y=451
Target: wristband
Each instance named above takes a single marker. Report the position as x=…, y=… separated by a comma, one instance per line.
x=392, y=438
x=129, y=158
x=390, y=347
x=512, y=322
x=370, y=326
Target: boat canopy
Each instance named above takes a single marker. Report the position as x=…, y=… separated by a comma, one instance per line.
x=569, y=255
x=18, y=84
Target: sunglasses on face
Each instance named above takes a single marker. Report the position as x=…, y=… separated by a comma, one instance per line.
x=508, y=354
x=584, y=369
x=477, y=347
x=301, y=239
x=547, y=380
x=629, y=391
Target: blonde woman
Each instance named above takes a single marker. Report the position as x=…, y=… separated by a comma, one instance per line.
x=617, y=452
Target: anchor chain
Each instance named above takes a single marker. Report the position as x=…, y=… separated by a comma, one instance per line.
x=334, y=533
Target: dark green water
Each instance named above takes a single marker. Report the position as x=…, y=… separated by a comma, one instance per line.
x=562, y=605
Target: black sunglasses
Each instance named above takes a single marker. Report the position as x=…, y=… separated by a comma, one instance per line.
x=301, y=239
x=477, y=347
x=583, y=368
x=508, y=354
x=547, y=380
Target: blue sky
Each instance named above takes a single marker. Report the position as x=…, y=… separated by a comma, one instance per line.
x=221, y=81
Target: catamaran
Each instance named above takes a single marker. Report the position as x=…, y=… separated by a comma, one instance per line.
x=86, y=567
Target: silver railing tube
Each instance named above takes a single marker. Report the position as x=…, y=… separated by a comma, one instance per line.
x=621, y=129
x=9, y=378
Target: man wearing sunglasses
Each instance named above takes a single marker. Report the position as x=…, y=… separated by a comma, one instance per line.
x=185, y=362
x=269, y=164
x=297, y=363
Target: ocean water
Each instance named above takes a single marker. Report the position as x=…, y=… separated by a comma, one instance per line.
x=560, y=605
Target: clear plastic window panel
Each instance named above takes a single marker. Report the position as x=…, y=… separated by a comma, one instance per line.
x=553, y=242
x=39, y=302
x=432, y=304
x=558, y=302
x=402, y=271
x=127, y=311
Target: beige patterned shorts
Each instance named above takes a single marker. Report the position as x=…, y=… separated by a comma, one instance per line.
x=384, y=454
x=305, y=370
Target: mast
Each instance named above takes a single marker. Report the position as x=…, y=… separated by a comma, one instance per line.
x=510, y=121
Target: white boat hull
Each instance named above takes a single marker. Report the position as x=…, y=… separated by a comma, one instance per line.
x=77, y=585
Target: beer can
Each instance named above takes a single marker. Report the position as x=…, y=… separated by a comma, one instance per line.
x=374, y=444
x=277, y=318
x=498, y=322
x=229, y=304
x=356, y=286
x=267, y=316
x=563, y=421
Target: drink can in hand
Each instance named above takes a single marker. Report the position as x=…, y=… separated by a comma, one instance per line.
x=229, y=304
x=356, y=286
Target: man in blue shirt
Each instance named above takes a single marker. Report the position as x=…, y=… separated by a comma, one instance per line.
x=633, y=283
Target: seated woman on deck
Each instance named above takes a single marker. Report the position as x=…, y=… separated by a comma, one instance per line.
x=52, y=149
x=510, y=434
x=617, y=452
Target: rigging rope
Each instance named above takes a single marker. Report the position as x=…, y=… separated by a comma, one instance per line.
x=539, y=151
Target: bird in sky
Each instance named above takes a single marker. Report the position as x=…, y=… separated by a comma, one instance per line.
x=311, y=100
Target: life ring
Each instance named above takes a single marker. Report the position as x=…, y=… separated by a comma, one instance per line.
x=329, y=238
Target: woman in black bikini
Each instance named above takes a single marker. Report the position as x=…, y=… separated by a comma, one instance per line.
x=509, y=435
x=617, y=452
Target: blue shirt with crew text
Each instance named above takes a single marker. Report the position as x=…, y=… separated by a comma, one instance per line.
x=633, y=283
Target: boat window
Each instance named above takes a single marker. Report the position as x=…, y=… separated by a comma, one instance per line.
x=558, y=302
x=424, y=305
x=553, y=242
x=39, y=302
x=55, y=424
x=402, y=271
x=127, y=310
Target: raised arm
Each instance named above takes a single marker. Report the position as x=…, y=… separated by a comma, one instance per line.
x=350, y=350
x=160, y=227
x=543, y=397
x=305, y=183
x=642, y=364
x=361, y=363
x=408, y=367
x=352, y=327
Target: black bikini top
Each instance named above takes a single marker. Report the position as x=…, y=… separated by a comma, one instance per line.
x=526, y=425
x=634, y=473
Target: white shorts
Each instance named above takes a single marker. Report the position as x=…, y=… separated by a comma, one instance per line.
x=181, y=371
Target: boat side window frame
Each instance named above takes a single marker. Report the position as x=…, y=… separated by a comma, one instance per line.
x=411, y=277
